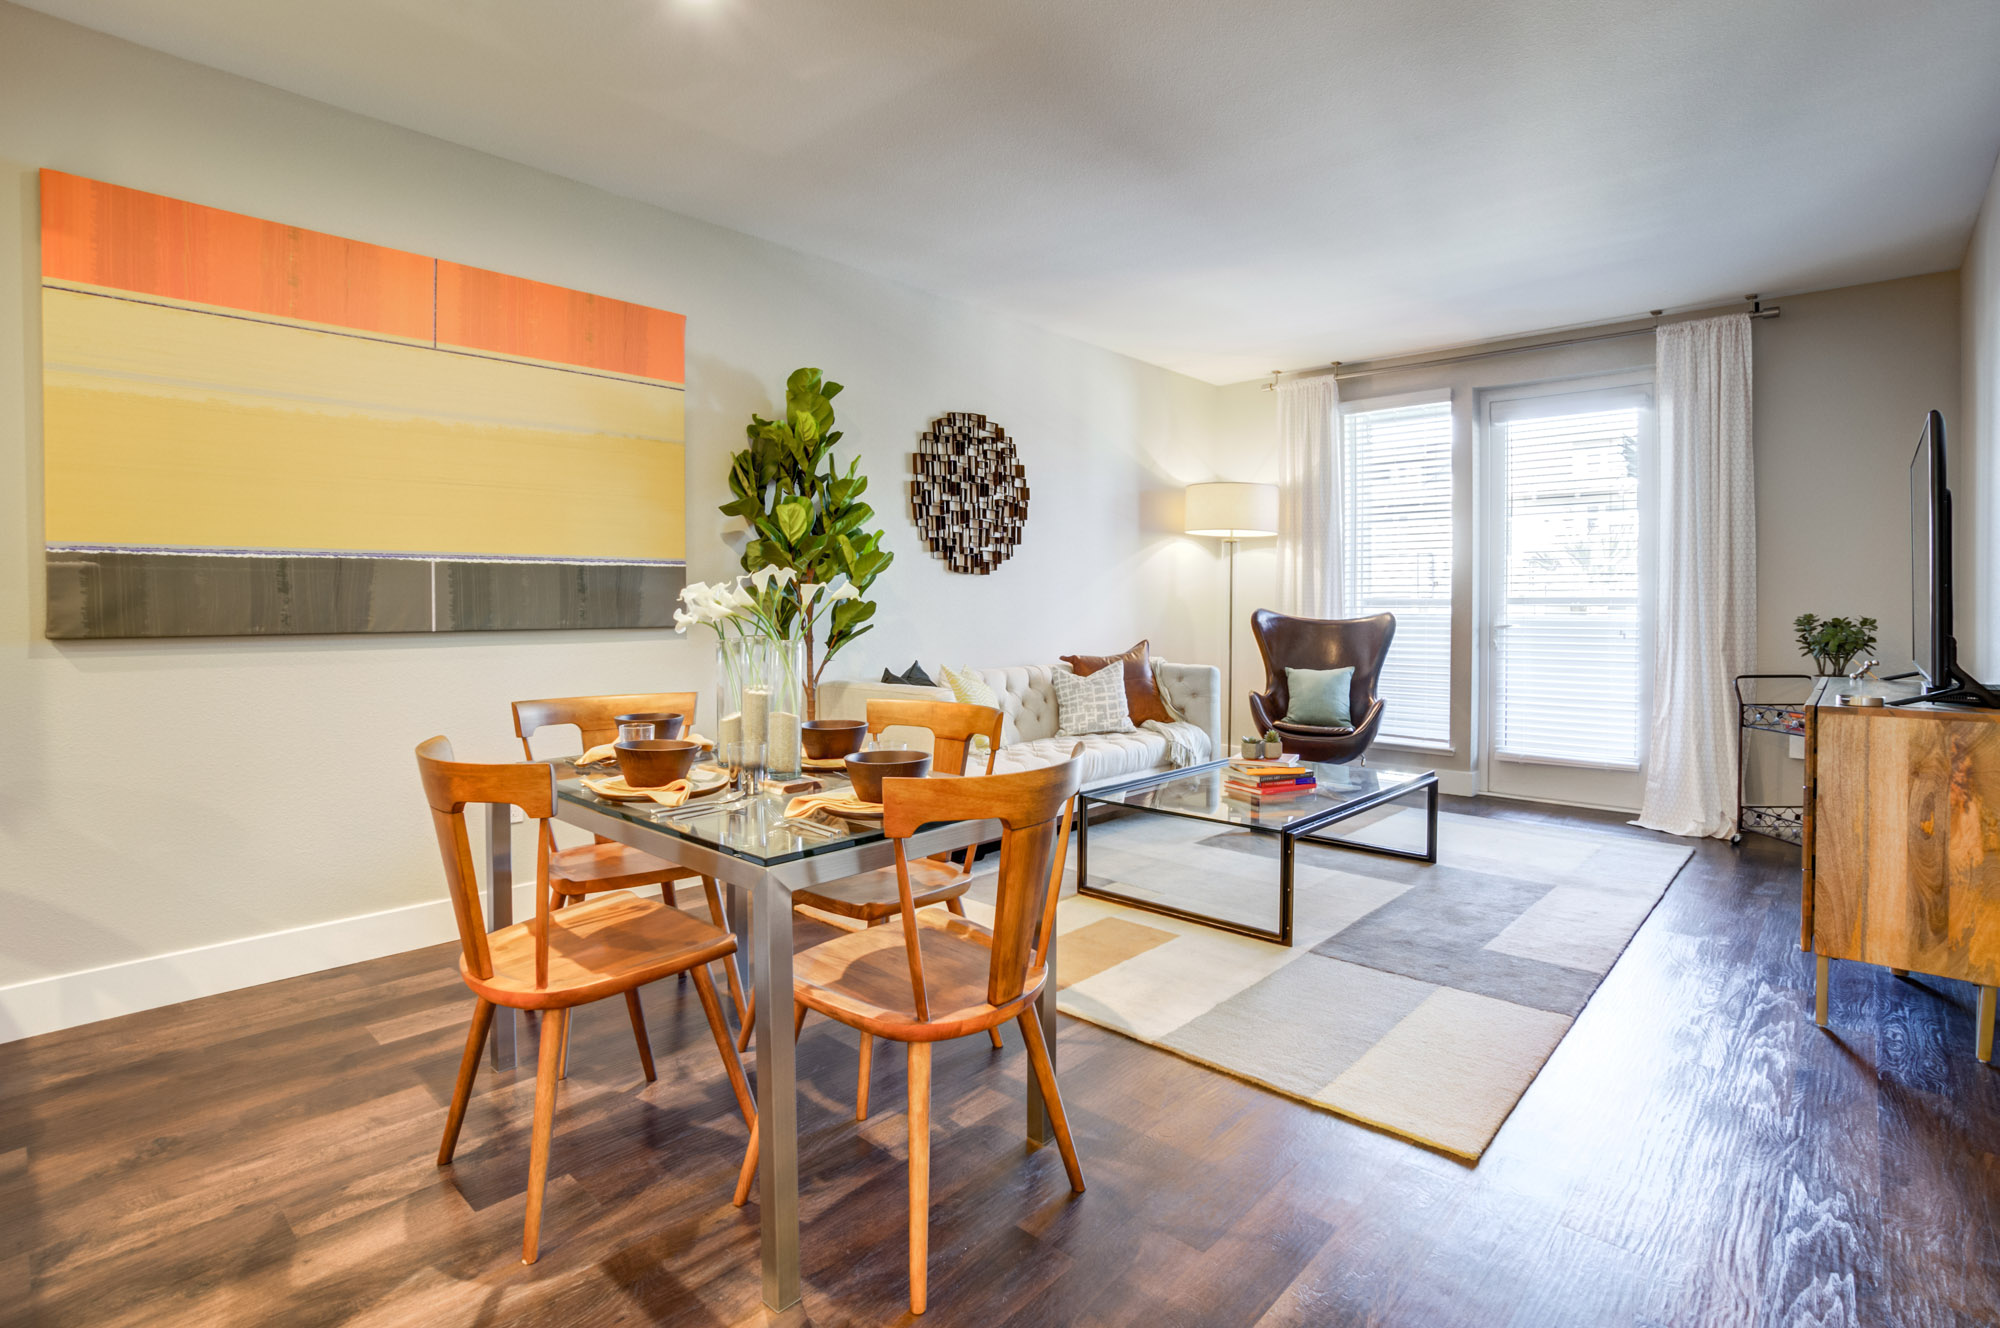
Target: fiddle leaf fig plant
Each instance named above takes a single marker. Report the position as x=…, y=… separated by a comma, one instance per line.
x=807, y=517
x=1833, y=644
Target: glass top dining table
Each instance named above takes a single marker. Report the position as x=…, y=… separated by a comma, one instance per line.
x=760, y=858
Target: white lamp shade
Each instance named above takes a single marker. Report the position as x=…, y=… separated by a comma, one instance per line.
x=1231, y=510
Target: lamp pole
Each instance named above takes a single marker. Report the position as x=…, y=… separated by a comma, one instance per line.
x=1231, y=511
x=1229, y=543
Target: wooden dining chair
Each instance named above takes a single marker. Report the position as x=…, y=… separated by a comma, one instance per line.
x=871, y=898
x=591, y=951
x=605, y=864
x=929, y=976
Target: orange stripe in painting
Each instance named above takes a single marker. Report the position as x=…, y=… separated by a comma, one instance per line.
x=481, y=310
x=105, y=235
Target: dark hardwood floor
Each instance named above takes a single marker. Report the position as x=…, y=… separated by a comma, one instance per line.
x=1696, y=1152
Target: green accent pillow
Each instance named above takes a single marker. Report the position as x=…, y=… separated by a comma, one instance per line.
x=1319, y=697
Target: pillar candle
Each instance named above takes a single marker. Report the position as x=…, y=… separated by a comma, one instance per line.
x=784, y=749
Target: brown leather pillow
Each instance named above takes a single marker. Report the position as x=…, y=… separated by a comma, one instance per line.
x=1142, y=694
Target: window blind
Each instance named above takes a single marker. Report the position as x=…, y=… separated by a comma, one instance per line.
x=1567, y=667
x=1397, y=528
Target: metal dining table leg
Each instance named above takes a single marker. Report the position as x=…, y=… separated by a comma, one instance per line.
x=777, y=1094
x=500, y=913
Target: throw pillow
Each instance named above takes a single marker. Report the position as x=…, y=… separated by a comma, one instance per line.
x=1090, y=703
x=970, y=689
x=913, y=677
x=1319, y=697
x=1142, y=692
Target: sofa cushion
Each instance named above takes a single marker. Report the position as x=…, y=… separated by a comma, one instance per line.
x=1027, y=699
x=1106, y=757
x=1310, y=730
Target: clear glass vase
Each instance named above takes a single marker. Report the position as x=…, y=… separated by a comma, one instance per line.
x=759, y=699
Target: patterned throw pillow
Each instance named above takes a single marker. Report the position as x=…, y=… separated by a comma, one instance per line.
x=1143, y=700
x=970, y=689
x=1094, y=703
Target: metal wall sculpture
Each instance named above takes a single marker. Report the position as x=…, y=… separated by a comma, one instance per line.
x=254, y=429
x=970, y=495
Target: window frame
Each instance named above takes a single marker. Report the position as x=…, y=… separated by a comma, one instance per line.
x=1446, y=397
x=1490, y=560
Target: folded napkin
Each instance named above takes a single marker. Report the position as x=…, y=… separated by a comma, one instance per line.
x=609, y=751
x=829, y=807
x=612, y=786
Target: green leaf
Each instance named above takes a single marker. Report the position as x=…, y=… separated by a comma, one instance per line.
x=794, y=516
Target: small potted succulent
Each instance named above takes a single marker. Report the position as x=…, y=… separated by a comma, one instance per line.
x=1832, y=645
x=1267, y=748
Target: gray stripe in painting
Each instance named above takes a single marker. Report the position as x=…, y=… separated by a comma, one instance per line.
x=113, y=594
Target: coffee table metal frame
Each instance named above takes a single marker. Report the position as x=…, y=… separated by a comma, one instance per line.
x=1289, y=836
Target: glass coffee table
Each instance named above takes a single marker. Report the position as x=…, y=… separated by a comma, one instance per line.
x=1344, y=792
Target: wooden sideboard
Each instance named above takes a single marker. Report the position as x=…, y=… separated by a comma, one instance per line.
x=1902, y=840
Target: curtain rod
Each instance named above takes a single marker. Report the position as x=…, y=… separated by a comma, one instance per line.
x=1757, y=310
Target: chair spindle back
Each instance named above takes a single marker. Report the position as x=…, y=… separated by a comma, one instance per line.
x=596, y=716
x=1034, y=808
x=448, y=786
x=952, y=724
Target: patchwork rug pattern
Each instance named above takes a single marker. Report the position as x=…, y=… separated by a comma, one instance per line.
x=1419, y=999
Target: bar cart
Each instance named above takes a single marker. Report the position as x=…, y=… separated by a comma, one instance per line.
x=1766, y=705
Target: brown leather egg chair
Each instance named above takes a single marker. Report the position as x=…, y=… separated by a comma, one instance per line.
x=1361, y=644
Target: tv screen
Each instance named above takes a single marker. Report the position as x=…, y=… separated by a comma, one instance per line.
x=1924, y=493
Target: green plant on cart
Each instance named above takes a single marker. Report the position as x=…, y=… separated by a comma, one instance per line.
x=1832, y=645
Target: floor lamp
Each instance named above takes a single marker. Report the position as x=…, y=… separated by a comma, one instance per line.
x=1231, y=512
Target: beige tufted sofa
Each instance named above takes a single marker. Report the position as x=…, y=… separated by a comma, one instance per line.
x=1028, y=699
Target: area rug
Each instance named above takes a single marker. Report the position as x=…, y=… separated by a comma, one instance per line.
x=1419, y=999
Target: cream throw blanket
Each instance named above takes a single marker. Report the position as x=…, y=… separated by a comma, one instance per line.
x=1185, y=741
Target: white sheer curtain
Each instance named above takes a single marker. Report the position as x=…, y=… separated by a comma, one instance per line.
x=1310, y=551
x=1706, y=595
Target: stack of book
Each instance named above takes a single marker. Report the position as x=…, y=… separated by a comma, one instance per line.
x=1266, y=781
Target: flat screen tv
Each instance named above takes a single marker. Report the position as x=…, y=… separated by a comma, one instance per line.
x=1932, y=643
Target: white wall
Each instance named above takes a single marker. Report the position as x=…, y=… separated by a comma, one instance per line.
x=161, y=796
x=1843, y=382
x=1974, y=436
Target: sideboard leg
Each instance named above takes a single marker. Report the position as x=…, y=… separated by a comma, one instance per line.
x=1819, y=990
x=1986, y=1003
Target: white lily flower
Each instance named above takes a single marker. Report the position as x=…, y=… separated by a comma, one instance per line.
x=846, y=591
x=762, y=577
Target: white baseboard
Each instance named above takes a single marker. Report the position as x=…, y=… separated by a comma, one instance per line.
x=66, y=1000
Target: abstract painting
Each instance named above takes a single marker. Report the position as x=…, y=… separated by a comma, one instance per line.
x=251, y=429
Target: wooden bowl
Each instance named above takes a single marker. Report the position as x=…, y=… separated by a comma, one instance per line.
x=867, y=770
x=666, y=725
x=831, y=739
x=656, y=762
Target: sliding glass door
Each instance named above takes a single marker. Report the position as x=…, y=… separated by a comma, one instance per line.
x=1564, y=593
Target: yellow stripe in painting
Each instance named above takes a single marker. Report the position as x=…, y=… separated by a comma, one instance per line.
x=169, y=427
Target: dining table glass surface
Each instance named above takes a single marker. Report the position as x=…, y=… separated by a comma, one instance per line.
x=755, y=829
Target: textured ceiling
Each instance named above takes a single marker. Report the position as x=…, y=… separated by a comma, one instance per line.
x=1219, y=188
